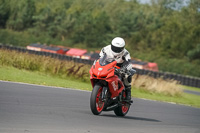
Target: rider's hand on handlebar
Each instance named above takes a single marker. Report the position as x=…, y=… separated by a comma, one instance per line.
x=120, y=72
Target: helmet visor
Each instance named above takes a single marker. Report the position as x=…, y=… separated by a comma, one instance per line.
x=117, y=49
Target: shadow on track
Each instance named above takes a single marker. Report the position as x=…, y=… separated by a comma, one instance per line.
x=131, y=118
x=118, y=117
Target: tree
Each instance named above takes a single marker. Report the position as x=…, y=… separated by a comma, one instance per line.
x=4, y=13
x=194, y=53
x=21, y=14
x=91, y=30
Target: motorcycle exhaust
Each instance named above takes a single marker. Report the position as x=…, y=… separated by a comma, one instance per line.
x=111, y=107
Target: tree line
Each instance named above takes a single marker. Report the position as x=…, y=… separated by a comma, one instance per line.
x=162, y=31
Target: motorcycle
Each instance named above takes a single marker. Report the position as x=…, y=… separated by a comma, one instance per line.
x=108, y=92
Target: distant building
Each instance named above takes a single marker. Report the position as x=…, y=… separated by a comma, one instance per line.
x=144, y=65
x=83, y=54
x=54, y=50
x=77, y=53
x=90, y=56
x=152, y=66
x=86, y=56
x=139, y=64
x=35, y=47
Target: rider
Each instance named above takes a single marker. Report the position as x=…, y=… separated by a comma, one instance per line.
x=117, y=51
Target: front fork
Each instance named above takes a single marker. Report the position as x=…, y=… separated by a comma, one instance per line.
x=104, y=93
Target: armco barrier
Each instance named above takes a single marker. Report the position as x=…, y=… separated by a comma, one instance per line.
x=184, y=80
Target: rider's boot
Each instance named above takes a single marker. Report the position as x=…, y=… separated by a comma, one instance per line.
x=128, y=93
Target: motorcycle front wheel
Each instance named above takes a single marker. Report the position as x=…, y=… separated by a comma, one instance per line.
x=96, y=101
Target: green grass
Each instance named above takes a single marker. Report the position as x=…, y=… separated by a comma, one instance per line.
x=13, y=74
x=185, y=99
x=17, y=75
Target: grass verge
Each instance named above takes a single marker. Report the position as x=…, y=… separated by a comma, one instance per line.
x=66, y=69
x=17, y=75
x=185, y=99
x=13, y=74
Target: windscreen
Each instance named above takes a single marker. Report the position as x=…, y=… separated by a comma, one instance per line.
x=105, y=60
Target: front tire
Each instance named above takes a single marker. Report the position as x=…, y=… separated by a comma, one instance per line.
x=96, y=103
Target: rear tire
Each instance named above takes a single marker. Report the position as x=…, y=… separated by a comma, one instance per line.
x=96, y=103
x=123, y=109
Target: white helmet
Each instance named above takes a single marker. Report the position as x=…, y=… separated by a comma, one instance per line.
x=117, y=45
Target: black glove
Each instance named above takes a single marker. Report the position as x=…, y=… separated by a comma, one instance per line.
x=120, y=72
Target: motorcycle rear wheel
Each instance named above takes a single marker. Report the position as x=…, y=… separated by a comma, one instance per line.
x=123, y=109
x=96, y=103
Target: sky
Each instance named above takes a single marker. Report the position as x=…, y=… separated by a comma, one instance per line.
x=148, y=1
x=185, y=3
x=144, y=1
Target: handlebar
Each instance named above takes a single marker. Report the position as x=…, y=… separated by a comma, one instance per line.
x=121, y=72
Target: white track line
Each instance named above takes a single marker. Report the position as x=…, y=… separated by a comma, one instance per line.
x=43, y=85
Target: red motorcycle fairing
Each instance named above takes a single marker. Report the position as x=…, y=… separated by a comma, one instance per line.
x=106, y=73
x=113, y=84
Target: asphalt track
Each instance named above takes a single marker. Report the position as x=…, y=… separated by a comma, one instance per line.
x=192, y=92
x=38, y=109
